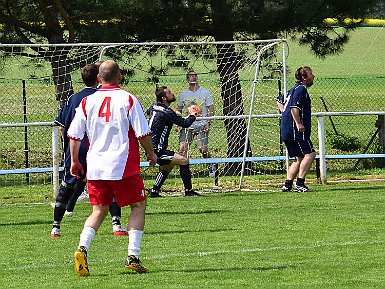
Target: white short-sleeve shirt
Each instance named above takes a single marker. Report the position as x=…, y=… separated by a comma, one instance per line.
x=114, y=121
x=201, y=97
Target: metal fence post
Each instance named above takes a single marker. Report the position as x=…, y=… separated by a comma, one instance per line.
x=321, y=148
x=26, y=150
x=55, y=160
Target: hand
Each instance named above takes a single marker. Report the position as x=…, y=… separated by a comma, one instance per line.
x=300, y=127
x=206, y=127
x=152, y=158
x=77, y=170
x=193, y=110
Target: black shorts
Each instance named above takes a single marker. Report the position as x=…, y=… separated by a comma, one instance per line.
x=165, y=157
x=299, y=148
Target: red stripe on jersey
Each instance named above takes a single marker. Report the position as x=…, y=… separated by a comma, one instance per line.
x=84, y=101
x=130, y=102
x=133, y=160
x=74, y=138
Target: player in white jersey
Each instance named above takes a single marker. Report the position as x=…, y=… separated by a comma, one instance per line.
x=115, y=125
x=71, y=187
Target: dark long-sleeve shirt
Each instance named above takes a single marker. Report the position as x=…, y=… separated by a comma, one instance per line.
x=162, y=118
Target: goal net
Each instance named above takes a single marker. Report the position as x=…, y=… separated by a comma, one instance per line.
x=243, y=77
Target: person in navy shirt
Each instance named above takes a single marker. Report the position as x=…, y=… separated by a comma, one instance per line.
x=71, y=188
x=295, y=129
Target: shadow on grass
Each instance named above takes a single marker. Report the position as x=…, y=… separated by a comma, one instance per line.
x=45, y=222
x=347, y=188
x=230, y=269
x=187, y=213
x=188, y=231
x=257, y=268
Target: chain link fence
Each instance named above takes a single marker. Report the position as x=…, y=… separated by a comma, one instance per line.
x=34, y=100
x=353, y=134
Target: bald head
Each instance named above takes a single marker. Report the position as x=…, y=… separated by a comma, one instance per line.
x=109, y=73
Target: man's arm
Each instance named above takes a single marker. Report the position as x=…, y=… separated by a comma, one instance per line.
x=146, y=143
x=281, y=102
x=210, y=112
x=181, y=121
x=76, y=168
x=295, y=113
x=280, y=106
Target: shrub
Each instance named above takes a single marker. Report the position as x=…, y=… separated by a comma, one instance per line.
x=343, y=142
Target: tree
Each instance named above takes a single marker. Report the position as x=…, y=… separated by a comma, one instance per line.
x=153, y=20
x=251, y=19
x=56, y=21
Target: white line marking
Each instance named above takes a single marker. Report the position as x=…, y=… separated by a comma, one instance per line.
x=251, y=250
x=67, y=262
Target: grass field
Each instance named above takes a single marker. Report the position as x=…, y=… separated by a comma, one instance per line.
x=361, y=56
x=333, y=237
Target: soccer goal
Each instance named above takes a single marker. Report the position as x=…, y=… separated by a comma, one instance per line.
x=243, y=77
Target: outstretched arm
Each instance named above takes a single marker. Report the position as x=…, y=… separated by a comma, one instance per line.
x=183, y=122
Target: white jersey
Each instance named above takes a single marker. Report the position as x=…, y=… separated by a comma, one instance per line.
x=114, y=121
x=202, y=98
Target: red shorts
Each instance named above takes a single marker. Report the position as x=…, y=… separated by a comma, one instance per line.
x=126, y=191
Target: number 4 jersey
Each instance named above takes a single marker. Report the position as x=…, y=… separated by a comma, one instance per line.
x=114, y=121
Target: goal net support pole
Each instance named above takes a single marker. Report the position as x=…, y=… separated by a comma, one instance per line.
x=255, y=82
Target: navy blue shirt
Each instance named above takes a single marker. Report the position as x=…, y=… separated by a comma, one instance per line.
x=161, y=121
x=297, y=97
x=64, y=120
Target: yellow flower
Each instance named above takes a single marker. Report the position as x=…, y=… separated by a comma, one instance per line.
x=366, y=22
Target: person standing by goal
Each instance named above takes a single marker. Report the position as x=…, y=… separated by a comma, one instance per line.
x=296, y=129
x=115, y=124
x=200, y=96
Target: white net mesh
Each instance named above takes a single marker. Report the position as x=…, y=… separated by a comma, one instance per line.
x=226, y=69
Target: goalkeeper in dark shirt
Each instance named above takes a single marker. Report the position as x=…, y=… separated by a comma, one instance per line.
x=162, y=118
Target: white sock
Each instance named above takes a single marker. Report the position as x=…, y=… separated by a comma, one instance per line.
x=134, y=240
x=86, y=237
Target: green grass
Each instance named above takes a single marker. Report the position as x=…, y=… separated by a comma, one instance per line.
x=332, y=237
x=361, y=56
